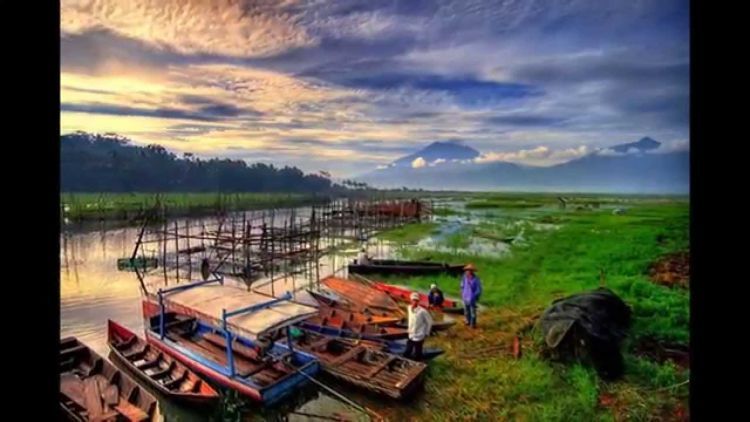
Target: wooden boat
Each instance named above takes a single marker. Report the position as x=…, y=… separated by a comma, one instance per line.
x=354, y=330
x=264, y=377
x=441, y=325
x=396, y=347
x=374, y=370
x=93, y=389
x=126, y=264
x=403, y=295
x=344, y=308
x=362, y=294
x=159, y=370
x=341, y=303
x=336, y=315
x=408, y=268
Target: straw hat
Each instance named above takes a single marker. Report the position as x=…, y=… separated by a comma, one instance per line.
x=470, y=267
x=415, y=296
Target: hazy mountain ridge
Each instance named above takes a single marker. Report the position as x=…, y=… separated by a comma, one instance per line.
x=628, y=168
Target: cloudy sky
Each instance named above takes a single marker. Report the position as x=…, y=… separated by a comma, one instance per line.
x=346, y=86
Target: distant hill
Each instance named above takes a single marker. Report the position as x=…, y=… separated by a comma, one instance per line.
x=448, y=151
x=645, y=144
x=110, y=163
x=635, y=167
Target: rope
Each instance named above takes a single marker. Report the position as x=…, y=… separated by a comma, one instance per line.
x=366, y=411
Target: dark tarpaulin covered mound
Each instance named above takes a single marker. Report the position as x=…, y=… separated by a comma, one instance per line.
x=590, y=326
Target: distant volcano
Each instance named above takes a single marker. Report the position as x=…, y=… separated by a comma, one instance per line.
x=447, y=151
x=451, y=166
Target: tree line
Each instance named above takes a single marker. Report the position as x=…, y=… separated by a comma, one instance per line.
x=110, y=163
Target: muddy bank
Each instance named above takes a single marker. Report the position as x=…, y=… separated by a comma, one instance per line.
x=662, y=351
x=672, y=270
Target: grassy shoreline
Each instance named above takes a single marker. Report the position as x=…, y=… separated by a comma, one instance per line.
x=469, y=382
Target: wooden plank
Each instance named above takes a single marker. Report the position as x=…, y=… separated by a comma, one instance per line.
x=348, y=355
x=131, y=412
x=171, y=384
x=380, y=367
x=72, y=387
x=92, y=398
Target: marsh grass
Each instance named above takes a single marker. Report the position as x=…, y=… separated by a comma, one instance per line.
x=517, y=288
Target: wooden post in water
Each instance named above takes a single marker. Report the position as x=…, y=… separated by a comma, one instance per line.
x=177, y=252
x=164, y=251
x=273, y=252
x=189, y=255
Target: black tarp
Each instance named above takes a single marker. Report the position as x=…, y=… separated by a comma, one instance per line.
x=588, y=325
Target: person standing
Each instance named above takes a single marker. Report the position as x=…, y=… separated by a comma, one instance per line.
x=420, y=325
x=471, y=290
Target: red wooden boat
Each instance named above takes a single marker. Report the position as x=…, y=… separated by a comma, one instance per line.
x=370, y=331
x=338, y=314
x=362, y=294
x=344, y=304
x=161, y=371
x=402, y=294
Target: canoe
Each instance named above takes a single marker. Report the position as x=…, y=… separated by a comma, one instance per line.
x=93, y=389
x=263, y=377
x=408, y=268
x=157, y=369
x=341, y=303
x=330, y=306
x=126, y=264
x=336, y=315
x=376, y=371
x=354, y=330
x=403, y=295
x=362, y=294
x=436, y=325
x=396, y=347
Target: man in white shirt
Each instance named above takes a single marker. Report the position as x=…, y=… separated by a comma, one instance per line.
x=420, y=325
x=362, y=258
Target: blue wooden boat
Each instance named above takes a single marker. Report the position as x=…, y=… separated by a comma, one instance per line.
x=266, y=373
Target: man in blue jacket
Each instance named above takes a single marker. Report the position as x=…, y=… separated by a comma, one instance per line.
x=471, y=290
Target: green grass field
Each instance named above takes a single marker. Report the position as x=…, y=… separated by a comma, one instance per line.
x=553, y=262
x=122, y=206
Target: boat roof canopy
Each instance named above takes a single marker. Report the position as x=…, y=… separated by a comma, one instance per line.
x=248, y=313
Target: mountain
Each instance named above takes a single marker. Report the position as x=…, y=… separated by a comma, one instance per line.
x=645, y=144
x=448, y=151
x=110, y=163
x=636, y=167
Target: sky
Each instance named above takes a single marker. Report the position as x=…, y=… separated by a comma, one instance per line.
x=347, y=86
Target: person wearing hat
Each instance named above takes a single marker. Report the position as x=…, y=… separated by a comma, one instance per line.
x=435, y=298
x=471, y=290
x=420, y=325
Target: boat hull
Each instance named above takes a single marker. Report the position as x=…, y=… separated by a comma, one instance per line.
x=266, y=396
x=206, y=395
x=408, y=268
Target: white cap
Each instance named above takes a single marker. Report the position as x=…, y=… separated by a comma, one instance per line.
x=415, y=296
x=433, y=286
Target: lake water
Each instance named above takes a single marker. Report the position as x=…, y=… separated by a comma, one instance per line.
x=92, y=290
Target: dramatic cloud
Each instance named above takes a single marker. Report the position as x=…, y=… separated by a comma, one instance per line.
x=539, y=156
x=348, y=85
x=418, y=162
x=225, y=27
